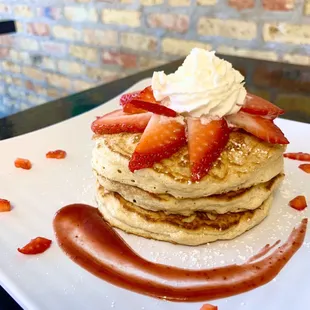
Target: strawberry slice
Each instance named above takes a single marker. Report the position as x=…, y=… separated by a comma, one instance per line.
x=259, y=106
x=5, y=205
x=305, y=167
x=132, y=109
x=58, y=154
x=128, y=97
x=258, y=126
x=23, y=163
x=127, y=106
x=205, y=144
x=162, y=137
x=118, y=121
x=145, y=95
x=36, y=246
x=298, y=156
x=298, y=203
x=156, y=108
x=208, y=307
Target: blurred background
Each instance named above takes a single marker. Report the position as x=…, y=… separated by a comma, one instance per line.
x=63, y=47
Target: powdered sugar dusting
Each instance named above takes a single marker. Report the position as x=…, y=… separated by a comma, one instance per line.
x=277, y=225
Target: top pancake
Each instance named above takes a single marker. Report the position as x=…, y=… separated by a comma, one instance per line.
x=246, y=161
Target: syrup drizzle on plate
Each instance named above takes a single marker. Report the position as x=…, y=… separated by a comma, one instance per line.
x=93, y=244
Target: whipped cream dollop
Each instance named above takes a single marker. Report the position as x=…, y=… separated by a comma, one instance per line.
x=204, y=85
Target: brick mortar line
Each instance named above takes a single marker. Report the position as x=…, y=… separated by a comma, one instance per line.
x=75, y=41
x=42, y=83
x=85, y=77
x=267, y=46
x=156, y=32
x=107, y=67
x=24, y=90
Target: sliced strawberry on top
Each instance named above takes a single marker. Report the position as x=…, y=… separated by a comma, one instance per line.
x=298, y=203
x=36, y=246
x=208, y=307
x=305, y=167
x=205, y=144
x=132, y=109
x=258, y=126
x=118, y=121
x=145, y=95
x=127, y=106
x=162, y=137
x=148, y=106
x=128, y=97
x=298, y=156
x=259, y=106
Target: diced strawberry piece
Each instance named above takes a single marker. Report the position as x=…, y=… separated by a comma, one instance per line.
x=258, y=126
x=58, y=154
x=205, y=144
x=23, y=163
x=151, y=107
x=298, y=203
x=305, y=167
x=5, y=205
x=118, y=121
x=208, y=307
x=298, y=156
x=36, y=246
x=259, y=106
x=162, y=137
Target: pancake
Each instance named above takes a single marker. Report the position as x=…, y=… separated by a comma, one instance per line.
x=244, y=199
x=196, y=229
x=246, y=161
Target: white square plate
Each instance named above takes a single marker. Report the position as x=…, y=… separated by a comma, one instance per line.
x=52, y=281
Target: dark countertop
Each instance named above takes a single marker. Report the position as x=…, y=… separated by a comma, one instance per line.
x=285, y=85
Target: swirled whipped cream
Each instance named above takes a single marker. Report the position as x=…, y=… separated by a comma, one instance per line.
x=204, y=85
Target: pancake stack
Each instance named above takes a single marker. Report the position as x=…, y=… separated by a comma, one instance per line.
x=163, y=203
